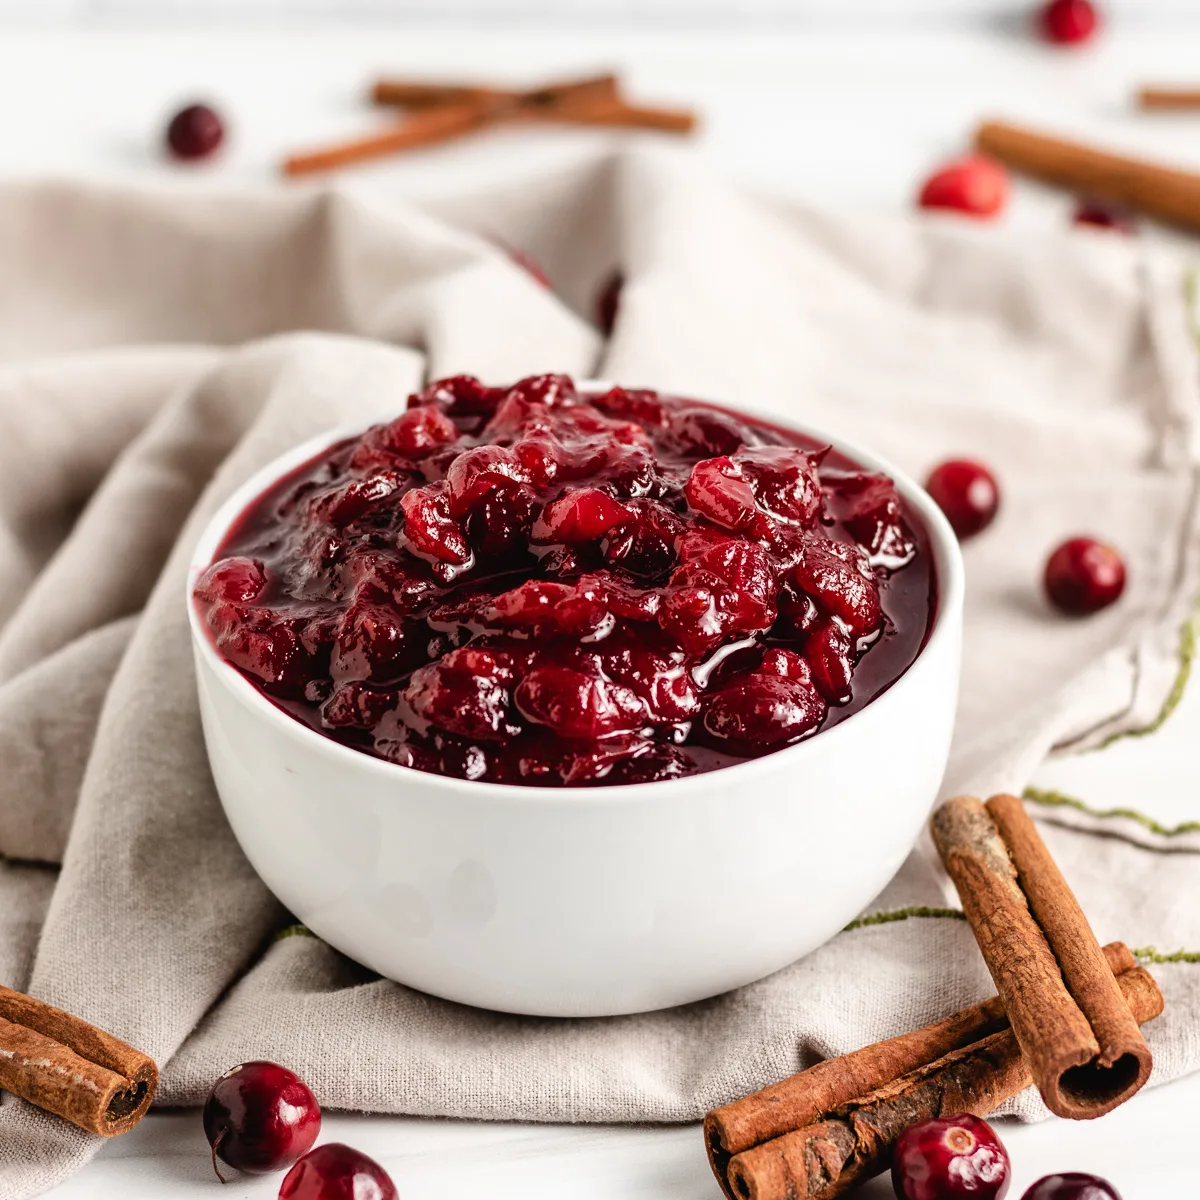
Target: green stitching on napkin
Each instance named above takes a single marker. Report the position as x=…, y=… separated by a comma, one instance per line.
x=1150, y=954
x=294, y=931
x=1059, y=800
x=903, y=914
x=1186, y=653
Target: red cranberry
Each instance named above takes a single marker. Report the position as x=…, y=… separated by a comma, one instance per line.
x=946, y=1158
x=608, y=302
x=967, y=492
x=762, y=709
x=194, y=132
x=975, y=185
x=1072, y=1185
x=1068, y=22
x=1099, y=215
x=336, y=1172
x=260, y=1117
x=1084, y=576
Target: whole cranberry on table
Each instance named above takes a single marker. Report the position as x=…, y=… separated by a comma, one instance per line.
x=195, y=132
x=976, y=185
x=967, y=492
x=1068, y=22
x=1083, y=576
x=260, y=1117
x=337, y=1172
x=1072, y=1185
x=950, y=1158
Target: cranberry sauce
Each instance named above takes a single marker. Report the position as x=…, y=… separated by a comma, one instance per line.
x=530, y=585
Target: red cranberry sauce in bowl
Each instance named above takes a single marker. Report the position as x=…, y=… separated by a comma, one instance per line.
x=536, y=585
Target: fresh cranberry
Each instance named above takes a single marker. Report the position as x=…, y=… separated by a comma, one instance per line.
x=948, y=1158
x=967, y=492
x=1072, y=1185
x=608, y=302
x=1098, y=215
x=1068, y=22
x=194, y=132
x=975, y=185
x=260, y=1117
x=337, y=1172
x=1084, y=576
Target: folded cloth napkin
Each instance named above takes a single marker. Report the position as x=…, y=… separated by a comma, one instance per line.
x=156, y=349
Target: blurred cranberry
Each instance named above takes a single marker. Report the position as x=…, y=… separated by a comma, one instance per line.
x=1068, y=22
x=337, y=1172
x=950, y=1158
x=1072, y=1185
x=1100, y=215
x=195, y=132
x=967, y=492
x=975, y=185
x=260, y=1117
x=608, y=301
x=1084, y=576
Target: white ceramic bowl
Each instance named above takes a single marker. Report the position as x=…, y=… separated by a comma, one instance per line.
x=582, y=901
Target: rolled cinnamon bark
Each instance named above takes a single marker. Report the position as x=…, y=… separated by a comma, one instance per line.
x=855, y=1141
x=71, y=1068
x=1085, y=1051
x=1165, y=192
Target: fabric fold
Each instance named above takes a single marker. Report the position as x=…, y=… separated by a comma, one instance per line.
x=159, y=348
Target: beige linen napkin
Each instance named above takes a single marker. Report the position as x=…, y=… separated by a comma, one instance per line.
x=155, y=349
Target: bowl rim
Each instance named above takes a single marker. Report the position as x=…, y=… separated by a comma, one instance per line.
x=948, y=570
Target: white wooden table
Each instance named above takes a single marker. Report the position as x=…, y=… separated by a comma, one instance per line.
x=848, y=118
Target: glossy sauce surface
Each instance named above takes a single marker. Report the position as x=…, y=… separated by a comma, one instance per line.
x=529, y=585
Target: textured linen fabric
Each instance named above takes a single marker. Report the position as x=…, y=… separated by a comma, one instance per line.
x=155, y=349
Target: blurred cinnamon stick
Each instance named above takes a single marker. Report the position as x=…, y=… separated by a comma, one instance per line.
x=1168, y=98
x=1167, y=193
x=428, y=128
x=582, y=102
x=407, y=93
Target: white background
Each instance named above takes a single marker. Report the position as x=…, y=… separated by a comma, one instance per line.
x=851, y=113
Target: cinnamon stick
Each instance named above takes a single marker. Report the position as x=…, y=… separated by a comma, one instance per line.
x=1086, y=1053
x=1164, y=192
x=806, y=1099
x=405, y=93
x=445, y=112
x=71, y=1068
x=615, y=113
x=855, y=1141
x=1168, y=98
x=427, y=128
